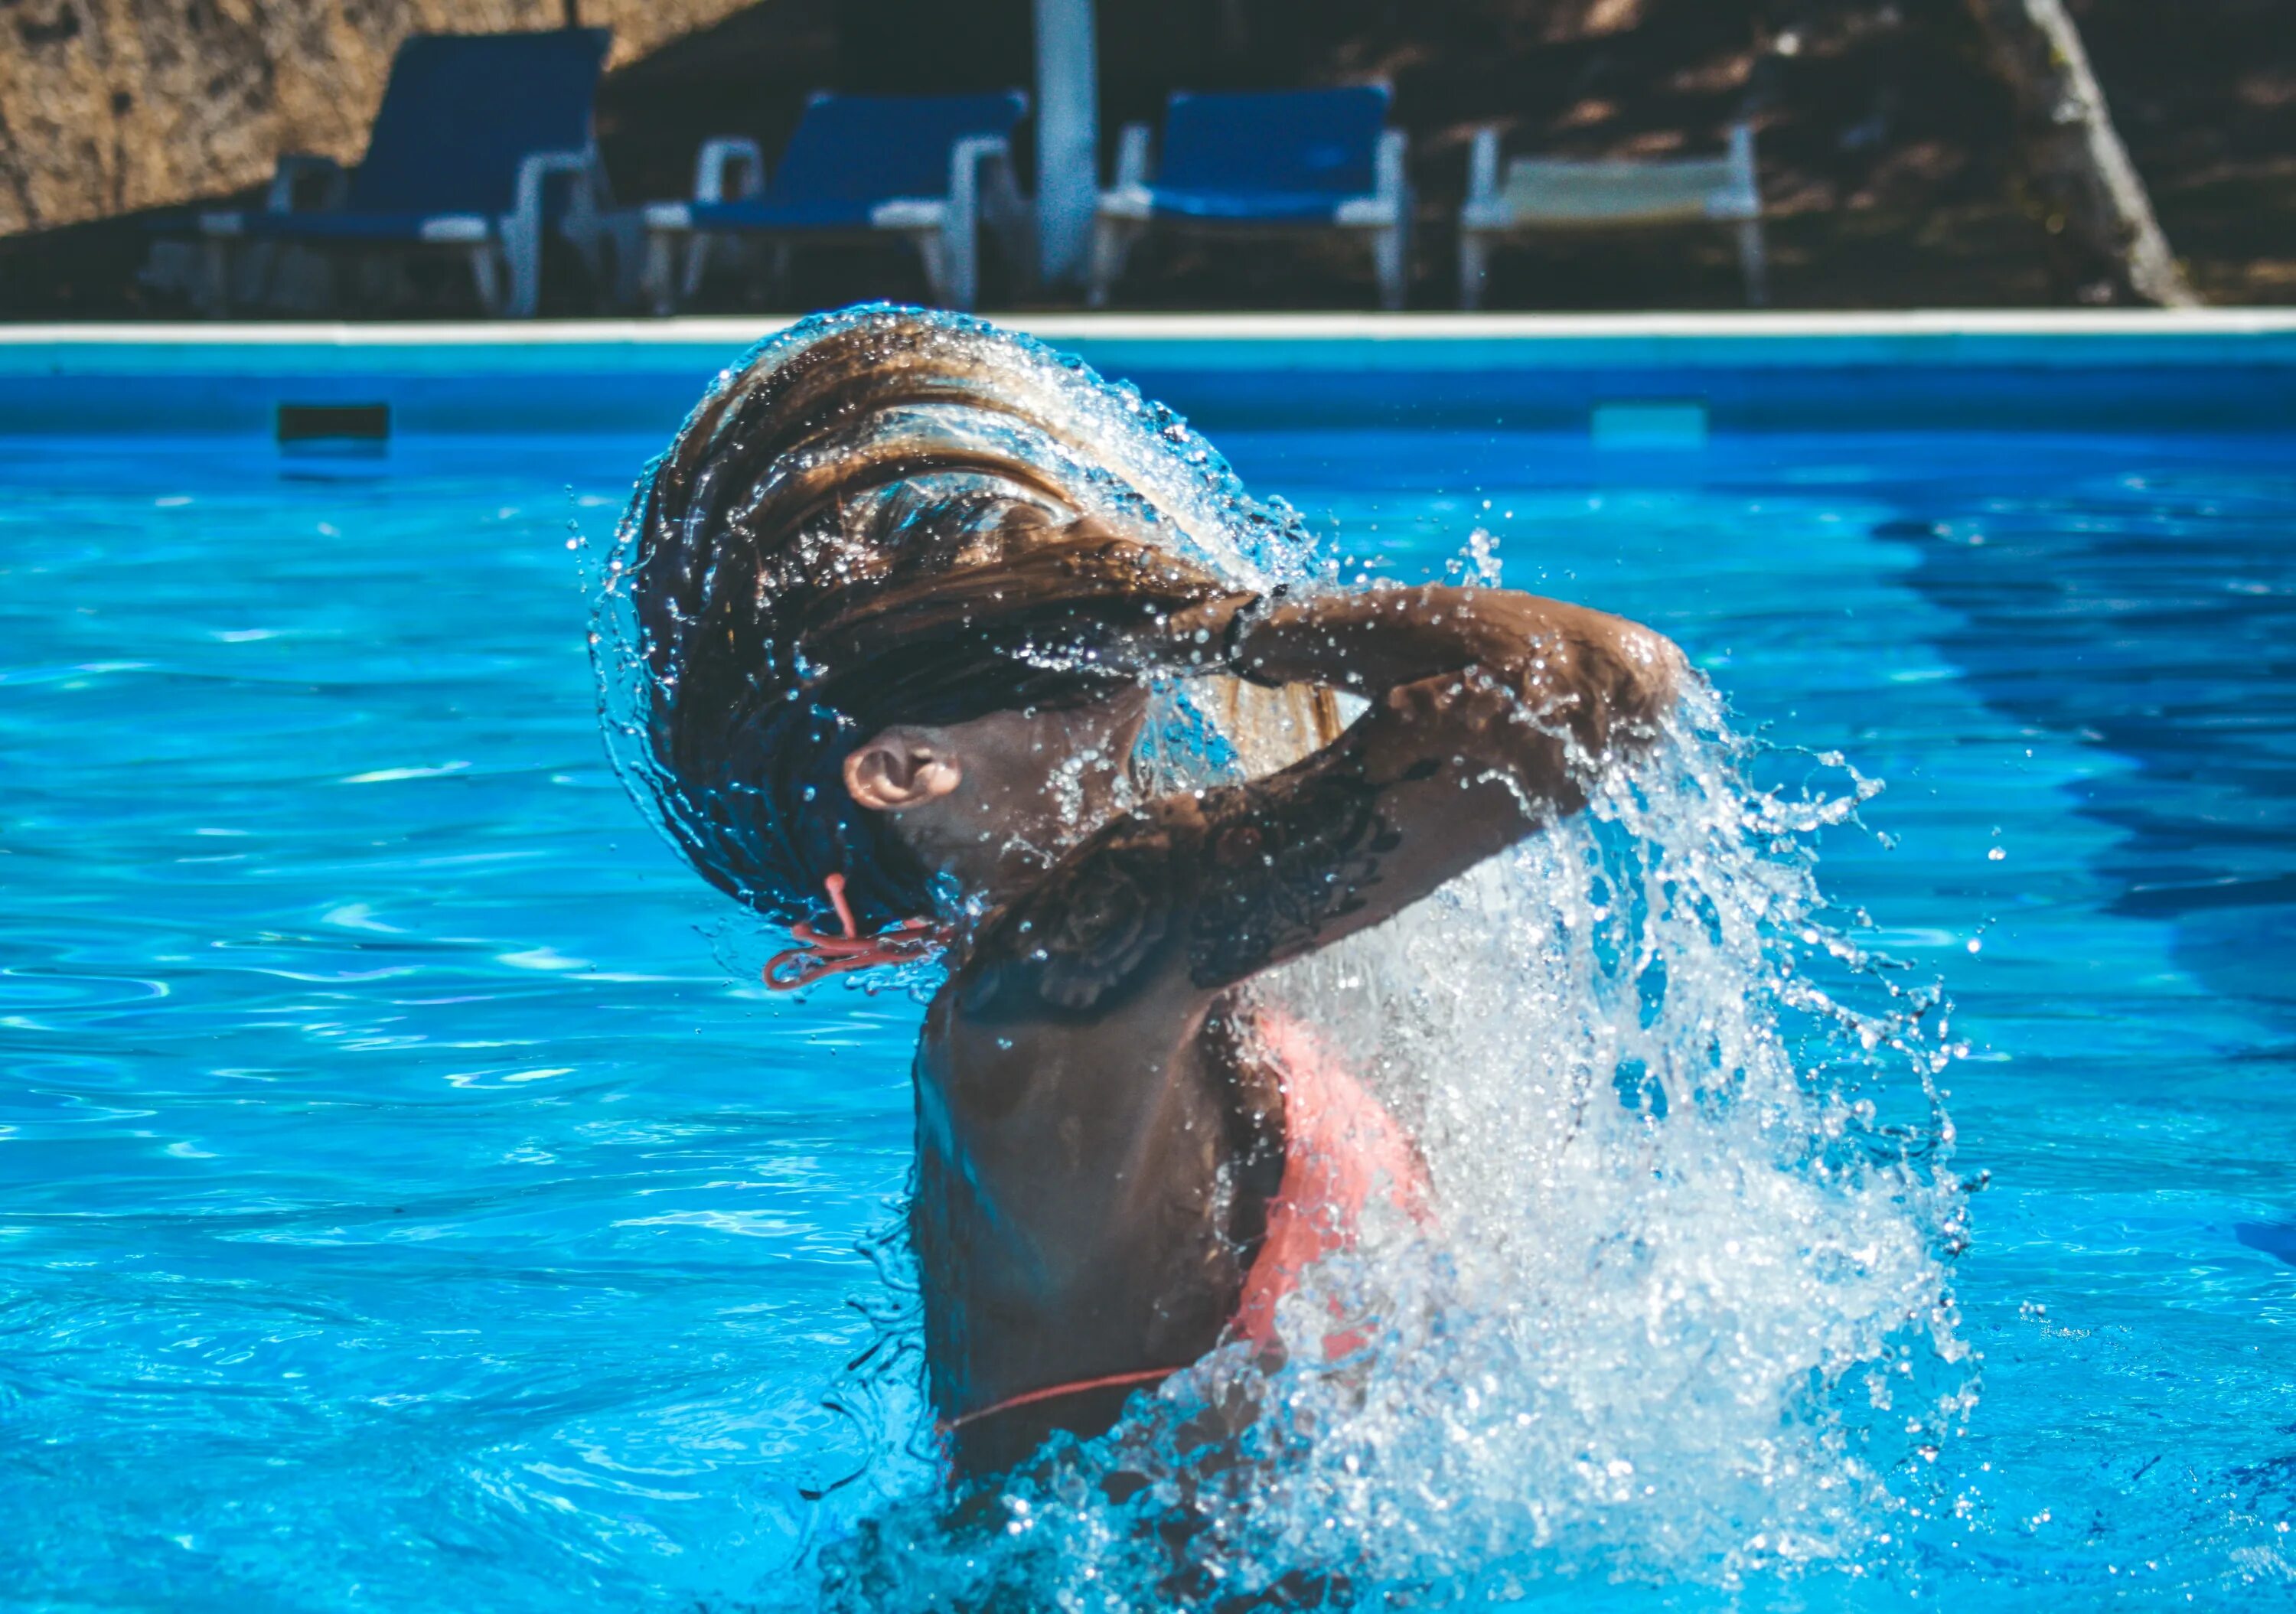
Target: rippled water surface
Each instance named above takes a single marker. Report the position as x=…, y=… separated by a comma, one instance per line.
x=401, y=1206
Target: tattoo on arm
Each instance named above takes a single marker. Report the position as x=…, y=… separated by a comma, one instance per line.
x=1245, y=877
x=1282, y=860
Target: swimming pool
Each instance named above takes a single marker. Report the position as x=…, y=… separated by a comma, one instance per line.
x=406, y=1205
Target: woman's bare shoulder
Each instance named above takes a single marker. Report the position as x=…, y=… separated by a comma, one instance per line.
x=1097, y=925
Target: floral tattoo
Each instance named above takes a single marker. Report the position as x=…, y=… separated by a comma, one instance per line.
x=1245, y=877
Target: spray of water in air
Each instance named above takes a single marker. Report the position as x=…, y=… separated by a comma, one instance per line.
x=1681, y=1312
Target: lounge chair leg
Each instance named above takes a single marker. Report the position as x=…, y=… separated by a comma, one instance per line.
x=697, y=265
x=1751, y=260
x=621, y=242
x=1474, y=268
x=931, y=248
x=586, y=245
x=382, y=281
x=657, y=281
x=484, y=279
x=522, y=257
x=265, y=278
x=214, y=294
x=297, y=280
x=256, y=265
x=1390, y=260
x=1111, y=244
x=1103, y=268
x=960, y=265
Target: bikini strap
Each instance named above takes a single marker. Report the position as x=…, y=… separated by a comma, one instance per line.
x=1147, y=1375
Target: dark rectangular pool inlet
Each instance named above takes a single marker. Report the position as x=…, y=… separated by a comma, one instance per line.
x=334, y=422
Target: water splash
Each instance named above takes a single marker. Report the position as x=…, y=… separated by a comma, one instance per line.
x=1685, y=1315
x=1091, y=448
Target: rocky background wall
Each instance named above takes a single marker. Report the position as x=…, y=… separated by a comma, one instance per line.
x=107, y=106
x=1887, y=146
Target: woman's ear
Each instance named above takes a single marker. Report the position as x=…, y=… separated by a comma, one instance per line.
x=902, y=768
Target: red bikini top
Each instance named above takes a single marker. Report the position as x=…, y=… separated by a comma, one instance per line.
x=1340, y=1144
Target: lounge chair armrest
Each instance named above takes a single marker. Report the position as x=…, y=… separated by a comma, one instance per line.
x=736, y=155
x=965, y=159
x=980, y=190
x=1742, y=198
x=1132, y=156
x=521, y=226
x=985, y=162
x=1483, y=164
x=1741, y=156
x=1389, y=180
x=296, y=166
x=534, y=172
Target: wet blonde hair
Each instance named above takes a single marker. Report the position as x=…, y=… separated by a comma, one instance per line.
x=896, y=517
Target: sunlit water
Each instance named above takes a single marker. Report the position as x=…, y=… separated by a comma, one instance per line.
x=405, y=1208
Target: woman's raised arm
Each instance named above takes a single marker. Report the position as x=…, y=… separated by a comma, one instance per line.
x=1489, y=709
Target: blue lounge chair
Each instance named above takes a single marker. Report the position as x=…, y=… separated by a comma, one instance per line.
x=1546, y=193
x=472, y=130
x=1277, y=162
x=933, y=169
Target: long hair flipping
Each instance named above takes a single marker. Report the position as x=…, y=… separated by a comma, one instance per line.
x=888, y=516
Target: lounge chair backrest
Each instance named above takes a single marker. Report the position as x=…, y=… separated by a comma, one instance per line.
x=461, y=111
x=1280, y=141
x=861, y=149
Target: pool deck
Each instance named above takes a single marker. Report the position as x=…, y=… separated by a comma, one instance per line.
x=2214, y=368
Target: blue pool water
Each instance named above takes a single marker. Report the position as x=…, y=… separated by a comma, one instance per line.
x=405, y=1204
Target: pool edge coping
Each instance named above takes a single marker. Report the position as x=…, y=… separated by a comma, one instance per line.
x=1439, y=327
x=2000, y=367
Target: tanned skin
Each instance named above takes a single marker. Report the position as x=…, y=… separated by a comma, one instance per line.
x=1095, y=1148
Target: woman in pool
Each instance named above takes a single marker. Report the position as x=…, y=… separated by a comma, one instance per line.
x=903, y=587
